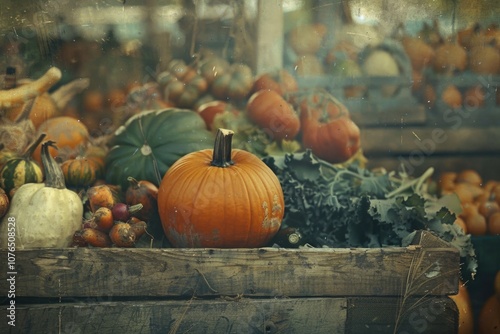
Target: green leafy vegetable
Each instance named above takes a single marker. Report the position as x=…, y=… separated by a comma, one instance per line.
x=350, y=206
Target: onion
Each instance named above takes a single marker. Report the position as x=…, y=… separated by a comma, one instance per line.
x=122, y=211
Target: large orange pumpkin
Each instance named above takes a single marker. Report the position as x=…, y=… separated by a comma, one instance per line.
x=67, y=132
x=220, y=198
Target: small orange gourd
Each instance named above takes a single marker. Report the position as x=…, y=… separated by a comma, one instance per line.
x=220, y=198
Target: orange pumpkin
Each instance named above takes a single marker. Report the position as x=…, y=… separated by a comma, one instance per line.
x=44, y=107
x=489, y=316
x=465, y=314
x=209, y=110
x=220, y=198
x=273, y=114
x=327, y=129
x=67, y=132
x=449, y=57
x=280, y=81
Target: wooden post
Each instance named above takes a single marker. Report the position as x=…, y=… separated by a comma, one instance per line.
x=269, y=36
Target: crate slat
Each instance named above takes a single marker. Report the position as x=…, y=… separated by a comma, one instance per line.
x=266, y=272
x=429, y=141
x=245, y=315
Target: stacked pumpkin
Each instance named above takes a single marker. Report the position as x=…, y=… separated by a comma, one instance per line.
x=34, y=185
x=151, y=145
x=474, y=49
x=489, y=315
x=480, y=202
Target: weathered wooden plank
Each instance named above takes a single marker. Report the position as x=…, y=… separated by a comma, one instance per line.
x=403, y=315
x=422, y=142
x=364, y=117
x=244, y=315
x=321, y=315
x=487, y=165
x=269, y=272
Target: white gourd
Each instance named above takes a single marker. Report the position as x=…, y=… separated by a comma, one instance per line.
x=46, y=214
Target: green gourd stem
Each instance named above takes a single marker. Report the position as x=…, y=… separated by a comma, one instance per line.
x=54, y=177
x=133, y=182
x=135, y=208
x=31, y=148
x=222, y=148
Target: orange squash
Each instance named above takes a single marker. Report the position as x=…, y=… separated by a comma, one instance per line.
x=465, y=314
x=220, y=198
x=280, y=81
x=489, y=316
x=272, y=113
x=66, y=132
x=449, y=57
x=328, y=130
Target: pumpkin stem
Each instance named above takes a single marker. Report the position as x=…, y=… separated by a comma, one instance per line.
x=222, y=148
x=31, y=148
x=54, y=177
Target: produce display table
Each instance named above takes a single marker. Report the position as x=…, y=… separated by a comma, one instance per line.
x=264, y=290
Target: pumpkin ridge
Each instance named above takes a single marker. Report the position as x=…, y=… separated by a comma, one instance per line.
x=241, y=177
x=163, y=131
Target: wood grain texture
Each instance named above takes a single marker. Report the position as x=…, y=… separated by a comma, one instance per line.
x=245, y=315
x=424, y=142
x=264, y=272
x=366, y=118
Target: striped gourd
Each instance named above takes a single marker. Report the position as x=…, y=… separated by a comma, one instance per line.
x=6, y=155
x=21, y=170
x=80, y=172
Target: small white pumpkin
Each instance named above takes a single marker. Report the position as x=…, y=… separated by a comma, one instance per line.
x=43, y=215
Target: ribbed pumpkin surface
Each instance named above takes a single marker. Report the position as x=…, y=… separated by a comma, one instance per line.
x=80, y=172
x=208, y=206
x=151, y=141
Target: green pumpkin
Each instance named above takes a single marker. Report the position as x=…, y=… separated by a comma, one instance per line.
x=151, y=141
x=20, y=170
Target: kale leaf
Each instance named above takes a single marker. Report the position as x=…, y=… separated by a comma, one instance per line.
x=350, y=206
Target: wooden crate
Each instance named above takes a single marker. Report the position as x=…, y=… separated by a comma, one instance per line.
x=265, y=290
